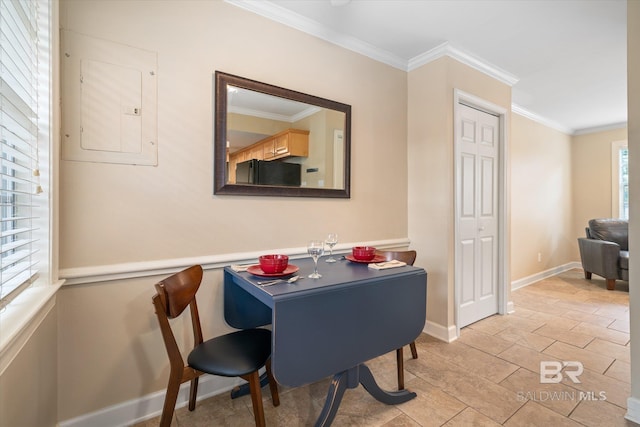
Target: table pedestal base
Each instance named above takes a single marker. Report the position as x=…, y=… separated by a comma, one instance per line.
x=351, y=378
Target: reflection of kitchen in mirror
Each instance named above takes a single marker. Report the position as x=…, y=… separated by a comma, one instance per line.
x=272, y=141
x=276, y=141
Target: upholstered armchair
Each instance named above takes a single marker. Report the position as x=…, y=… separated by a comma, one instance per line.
x=605, y=250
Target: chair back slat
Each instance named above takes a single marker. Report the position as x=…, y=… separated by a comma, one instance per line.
x=173, y=351
x=408, y=257
x=179, y=290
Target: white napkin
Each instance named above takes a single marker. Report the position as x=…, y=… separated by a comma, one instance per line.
x=239, y=268
x=387, y=264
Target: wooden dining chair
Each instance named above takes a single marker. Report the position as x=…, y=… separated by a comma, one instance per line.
x=236, y=354
x=408, y=257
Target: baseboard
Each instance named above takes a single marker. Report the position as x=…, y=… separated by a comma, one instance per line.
x=529, y=280
x=443, y=333
x=449, y=334
x=149, y=406
x=633, y=410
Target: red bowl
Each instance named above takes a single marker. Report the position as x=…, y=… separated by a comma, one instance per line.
x=273, y=263
x=363, y=253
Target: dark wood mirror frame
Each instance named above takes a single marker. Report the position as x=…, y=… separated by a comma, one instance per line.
x=221, y=186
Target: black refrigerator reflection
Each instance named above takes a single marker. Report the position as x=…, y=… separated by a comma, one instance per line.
x=262, y=172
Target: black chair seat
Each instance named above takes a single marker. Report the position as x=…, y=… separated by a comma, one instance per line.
x=232, y=355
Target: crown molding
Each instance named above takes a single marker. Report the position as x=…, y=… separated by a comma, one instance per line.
x=569, y=131
x=306, y=25
x=542, y=120
x=447, y=49
x=602, y=128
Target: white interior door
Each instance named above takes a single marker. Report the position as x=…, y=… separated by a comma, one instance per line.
x=477, y=239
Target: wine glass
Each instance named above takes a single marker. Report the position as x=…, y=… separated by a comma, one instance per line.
x=315, y=248
x=331, y=241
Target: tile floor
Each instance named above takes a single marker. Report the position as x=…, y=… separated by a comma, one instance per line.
x=490, y=376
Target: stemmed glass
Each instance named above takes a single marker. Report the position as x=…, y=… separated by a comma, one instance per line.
x=315, y=248
x=331, y=241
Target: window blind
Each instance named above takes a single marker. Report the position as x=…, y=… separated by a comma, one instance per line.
x=18, y=144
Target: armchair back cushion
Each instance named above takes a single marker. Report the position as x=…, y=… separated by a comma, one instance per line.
x=611, y=230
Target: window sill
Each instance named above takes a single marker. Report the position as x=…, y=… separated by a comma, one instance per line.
x=21, y=317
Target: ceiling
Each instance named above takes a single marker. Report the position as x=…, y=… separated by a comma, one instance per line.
x=565, y=59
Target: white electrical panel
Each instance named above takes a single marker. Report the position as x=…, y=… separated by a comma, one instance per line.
x=109, y=99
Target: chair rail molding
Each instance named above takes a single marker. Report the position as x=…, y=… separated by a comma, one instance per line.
x=105, y=273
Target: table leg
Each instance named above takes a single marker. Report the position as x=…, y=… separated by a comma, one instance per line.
x=351, y=378
x=334, y=397
x=388, y=397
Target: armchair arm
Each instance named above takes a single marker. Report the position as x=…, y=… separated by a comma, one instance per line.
x=599, y=257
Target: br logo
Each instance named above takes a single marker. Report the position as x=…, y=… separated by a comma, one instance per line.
x=551, y=371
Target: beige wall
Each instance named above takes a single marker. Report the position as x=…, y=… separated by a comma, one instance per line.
x=28, y=396
x=113, y=214
x=431, y=170
x=558, y=183
x=541, y=211
x=119, y=213
x=591, y=157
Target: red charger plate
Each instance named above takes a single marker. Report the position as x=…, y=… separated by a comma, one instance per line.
x=257, y=271
x=377, y=258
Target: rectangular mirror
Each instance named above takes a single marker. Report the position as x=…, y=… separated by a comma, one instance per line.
x=272, y=141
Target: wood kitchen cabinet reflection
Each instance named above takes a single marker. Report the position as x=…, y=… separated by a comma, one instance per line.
x=288, y=143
